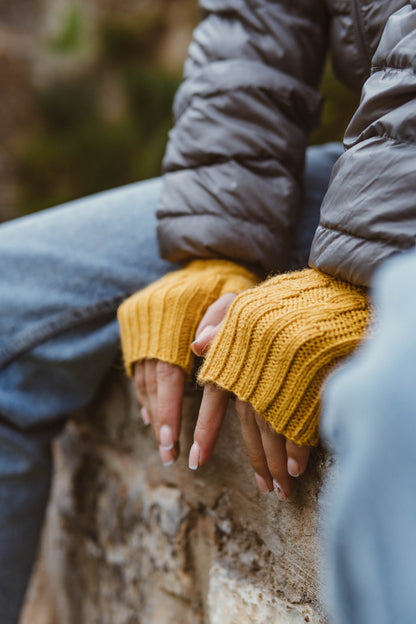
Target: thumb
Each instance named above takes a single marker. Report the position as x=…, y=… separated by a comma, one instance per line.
x=211, y=322
x=202, y=343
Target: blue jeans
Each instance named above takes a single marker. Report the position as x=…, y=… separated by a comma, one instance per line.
x=369, y=419
x=63, y=274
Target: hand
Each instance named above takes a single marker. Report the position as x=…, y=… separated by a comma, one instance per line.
x=278, y=345
x=276, y=461
x=160, y=386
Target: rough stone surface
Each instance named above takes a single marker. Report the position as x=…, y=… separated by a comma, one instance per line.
x=131, y=542
x=238, y=601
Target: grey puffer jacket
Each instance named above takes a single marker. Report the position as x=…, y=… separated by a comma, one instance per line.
x=235, y=157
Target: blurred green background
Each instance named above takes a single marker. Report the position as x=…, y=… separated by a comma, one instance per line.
x=96, y=86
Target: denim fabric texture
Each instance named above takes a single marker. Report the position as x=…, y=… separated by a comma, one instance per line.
x=369, y=419
x=63, y=273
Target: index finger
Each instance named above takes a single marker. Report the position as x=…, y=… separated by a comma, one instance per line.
x=211, y=414
x=141, y=393
x=216, y=312
x=170, y=387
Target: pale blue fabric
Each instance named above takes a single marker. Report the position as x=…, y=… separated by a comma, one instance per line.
x=63, y=274
x=369, y=420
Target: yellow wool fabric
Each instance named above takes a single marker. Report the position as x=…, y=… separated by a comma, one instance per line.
x=280, y=340
x=160, y=321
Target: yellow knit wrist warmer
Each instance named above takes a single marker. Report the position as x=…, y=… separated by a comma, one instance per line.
x=280, y=340
x=160, y=321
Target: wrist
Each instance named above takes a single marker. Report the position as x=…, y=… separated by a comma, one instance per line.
x=280, y=340
x=160, y=321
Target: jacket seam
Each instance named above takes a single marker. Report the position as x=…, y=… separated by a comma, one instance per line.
x=362, y=43
x=383, y=137
x=258, y=4
x=250, y=222
x=368, y=238
x=397, y=68
x=392, y=139
x=283, y=101
x=240, y=159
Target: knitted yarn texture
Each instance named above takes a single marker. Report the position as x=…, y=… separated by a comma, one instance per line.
x=280, y=340
x=160, y=321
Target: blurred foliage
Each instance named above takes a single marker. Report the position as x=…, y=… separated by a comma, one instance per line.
x=81, y=145
x=70, y=36
x=77, y=151
x=131, y=39
x=339, y=106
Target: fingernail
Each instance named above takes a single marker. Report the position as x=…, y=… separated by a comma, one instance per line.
x=262, y=485
x=194, y=456
x=204, y=333
x=166, y=438
x=145, y=416
x=166, y=456
x=279, y=491
x=293, y=467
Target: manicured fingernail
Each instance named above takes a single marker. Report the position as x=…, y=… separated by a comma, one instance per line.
x=145, y=416
x=194, y=456
x=166, y=456
x=262, y=485
x=279, y=491
x=166, y=438
x=293, y=467
x=204, y=333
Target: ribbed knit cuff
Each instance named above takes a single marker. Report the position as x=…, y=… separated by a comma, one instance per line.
x=280, y=340
x=160, y=321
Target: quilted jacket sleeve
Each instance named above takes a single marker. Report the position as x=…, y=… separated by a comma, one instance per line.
x=242, y=115
x=369, y=212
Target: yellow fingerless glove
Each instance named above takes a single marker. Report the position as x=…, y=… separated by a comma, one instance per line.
x=160, y=321
x=279, y=341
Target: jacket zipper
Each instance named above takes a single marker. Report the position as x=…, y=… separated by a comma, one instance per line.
x=363, y=48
